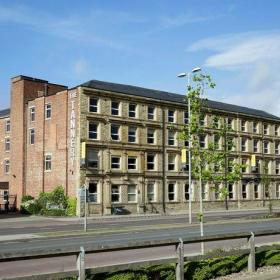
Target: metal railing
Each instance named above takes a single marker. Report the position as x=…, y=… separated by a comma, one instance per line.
x=178, y=258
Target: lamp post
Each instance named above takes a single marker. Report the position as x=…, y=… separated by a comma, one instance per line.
x=182, y=75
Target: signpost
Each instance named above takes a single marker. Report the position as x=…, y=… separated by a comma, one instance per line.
x=84, y=198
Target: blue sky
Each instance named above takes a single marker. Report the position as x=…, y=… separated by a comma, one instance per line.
x=146, y=43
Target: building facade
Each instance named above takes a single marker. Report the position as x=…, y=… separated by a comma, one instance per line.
x=116, y=141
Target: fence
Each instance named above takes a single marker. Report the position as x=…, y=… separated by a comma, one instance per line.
x=178, y=258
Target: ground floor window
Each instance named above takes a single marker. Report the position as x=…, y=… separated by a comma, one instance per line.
x=171, y=192
x=187, y=192
x=277, y=191
x=115, y=193
x=131, y=193
x=244, y=191
x=151, y=191
x=93, y=191
x=256, y=191
x=230, y=191
x=217, y=191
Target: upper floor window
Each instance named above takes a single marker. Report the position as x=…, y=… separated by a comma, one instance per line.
x=171, y=162
x=230, y=164
x=202, y=141
x=244, y=163
x=230, y=143
x=243, y=125
x=48, y=163
x=171, y=138
x=115, y=162
x=229, y=123
x=216, y=122
x=151, y=113
x=243, y=145
x=277, y=167
x=265, y=147
x=115, y=108
x=132, y=111
x=276, y=148
x=131, y=134
x=256, y=146
x=32, y=136
x=7, y=166
x=255, y=127
x=93, y=191
x=150, y=162
x=132, y=163
x=93, y=105
x=265, y=129
x=48, y=111
x=7, y=144
x=186, y=117
x=93, y=131
x=8, y=126
x=32, y=114
x=217, y=191
x=277, y=191
x=171, y=116
x=217, y=142
x=115, y=133
x=202, y=120
x=92, y=159
x=151, y=136
x=276, y=130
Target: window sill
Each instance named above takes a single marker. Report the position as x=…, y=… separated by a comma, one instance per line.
x=47, y=171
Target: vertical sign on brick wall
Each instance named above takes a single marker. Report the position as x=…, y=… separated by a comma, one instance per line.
x=72, y=128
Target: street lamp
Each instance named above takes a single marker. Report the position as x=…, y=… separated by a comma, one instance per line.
x=182, y=75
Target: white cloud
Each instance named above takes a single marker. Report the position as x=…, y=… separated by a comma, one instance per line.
x=253, y=61
x=80, y=67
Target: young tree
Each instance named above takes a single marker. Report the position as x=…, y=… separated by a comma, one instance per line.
x=266, y=180
x=210, y=164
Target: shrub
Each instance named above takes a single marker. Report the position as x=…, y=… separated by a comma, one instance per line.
x=27, y=198
x=71, y=206
x=52, y=212
x=56, y=197
x=30, y=207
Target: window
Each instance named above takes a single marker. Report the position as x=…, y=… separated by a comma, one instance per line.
x=32, y=136
x=151, y=191
x=216, y=122
x=48, y=111
x=32, y=114
x=132, y=135
x=229, y=123
x=171, y=191
x=115, y=133
x=187, y=192
x=115, y=162
x=93, y=191
x=277, y=191
x=171, y=116
x=132, y=111
x=151, y=113
x=230, y=191
x=256, y=145
x=265, y=129
x=230, y=143
x=93, y=159
x=243, y=125
x=244, y=191
x=216, y=167
x=8, y=126
x=217, y=142
x=243, y=145
x=255, y=127
x=230, y=164
x=93, y=131
x=115, y=193
x=132, y=163
x=276, y=129
x=256, y=191
x=131, y=193
x=150, y=162
x=202, y=120
x=48, y=163
x=6, y=195
x=202, y=141
x=93, y=105
x=186, y=117
x=171, y=162
x=171, y=138
x=276, y=148
x=7, y=144
x=187, y=143
x=265, y=147
x=115, y=108
x=277, y=165
x=7, y=166
x=244, y=163
x=217, y=191
x=151, y=136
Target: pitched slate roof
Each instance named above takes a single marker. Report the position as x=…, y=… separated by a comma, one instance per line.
x=173, y=97
x=4, y=113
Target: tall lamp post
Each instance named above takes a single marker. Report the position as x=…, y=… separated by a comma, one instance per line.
x=182, y=75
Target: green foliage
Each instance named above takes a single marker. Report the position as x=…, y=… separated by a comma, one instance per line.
x=71, y=206
x=27, y=198
x=56, y=197
x=52, y=212
x=30, y=207
x=199, y=216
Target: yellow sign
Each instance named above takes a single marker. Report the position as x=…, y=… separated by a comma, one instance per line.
x=253, y=160
x=184, y=155
x=83, y=150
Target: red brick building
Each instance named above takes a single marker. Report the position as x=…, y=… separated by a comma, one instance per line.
x=115, y=139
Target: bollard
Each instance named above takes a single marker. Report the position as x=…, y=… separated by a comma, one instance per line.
x=252, y=256
x=81, y=264
x=180, y=264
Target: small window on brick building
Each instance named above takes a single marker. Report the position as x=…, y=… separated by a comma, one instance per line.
x=32, y=114
x=132, y=163
x=32, y=136
x=7, y=166
x=48, y=111
x=132, y=110
x=115, y=108
x=48, y=163
x=115, y=133
x=132, y=134
x=93, y=131
x=8, y=126
x=115, y=162
x=93, y=105
x=7, y=144
x=151, y=113
x=131, y=193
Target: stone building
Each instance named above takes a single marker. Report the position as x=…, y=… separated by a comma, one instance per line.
x=115, y=140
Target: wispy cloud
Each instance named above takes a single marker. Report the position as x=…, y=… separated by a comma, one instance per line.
x=253, y=58
x=80, y=67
